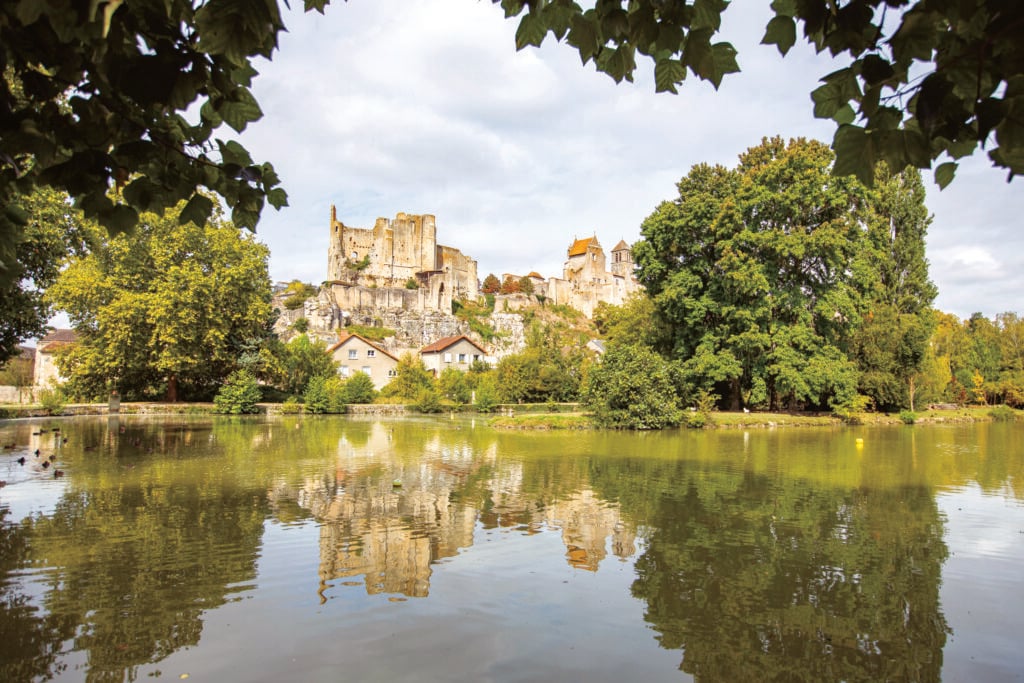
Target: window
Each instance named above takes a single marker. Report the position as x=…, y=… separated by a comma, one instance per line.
x=366, y=369
x=462, y=358
x=370, y=353
x=447, y=358
x=353, y=354
x=476, y=357
x=343, y=370
x=392, y=373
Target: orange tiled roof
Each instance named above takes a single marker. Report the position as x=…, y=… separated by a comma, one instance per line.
x=442, y=344
x=534, y=273
x=579, y=247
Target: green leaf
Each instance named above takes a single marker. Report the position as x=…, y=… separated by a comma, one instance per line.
x=197, y=210
x=618, y=63
x=121, y=219
x=668, y=72
x=784, y=8
x=855, y=154
x=583, y=36
x=558, y=17
x=531, y=31
x=916, y=38
x=277, y=198
x=233, y=153
x=781, y=32
x=828, y=99
x=875, y=69
x=697, y=54
x=724, y=58
x=944, y=174
x=512, y=7
x=707, y=14
x=242, y=110
x=844, y=114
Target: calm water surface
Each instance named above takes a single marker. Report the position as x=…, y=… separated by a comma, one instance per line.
x=329, y=549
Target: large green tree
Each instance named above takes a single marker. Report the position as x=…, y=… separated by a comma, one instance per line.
x=891, y=345
x=750, y=266
x=170, y=305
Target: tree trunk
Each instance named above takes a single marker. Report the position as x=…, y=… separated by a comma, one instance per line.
x=911, y=393
x=734, y=390
x=172, y=389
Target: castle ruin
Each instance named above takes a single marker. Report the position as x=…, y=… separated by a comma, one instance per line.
x=397, y=264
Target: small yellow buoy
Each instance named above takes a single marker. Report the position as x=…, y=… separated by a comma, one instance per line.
x=860, y=443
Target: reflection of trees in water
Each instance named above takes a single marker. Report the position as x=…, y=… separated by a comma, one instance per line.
x=134, y=566
x=30, y=638
x=755, y=581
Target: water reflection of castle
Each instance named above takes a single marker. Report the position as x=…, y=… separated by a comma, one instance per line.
x=391, y=536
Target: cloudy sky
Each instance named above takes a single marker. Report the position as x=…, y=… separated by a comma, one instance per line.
x=424, y=106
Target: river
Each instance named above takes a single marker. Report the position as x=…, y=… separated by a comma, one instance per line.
x=439, y=549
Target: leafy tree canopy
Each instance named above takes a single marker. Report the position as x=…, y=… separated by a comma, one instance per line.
x=171, y=303
x=925, y=80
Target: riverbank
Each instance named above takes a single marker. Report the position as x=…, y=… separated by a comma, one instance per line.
x=542, y=417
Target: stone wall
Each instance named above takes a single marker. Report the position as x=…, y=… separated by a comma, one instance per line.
x=11, y=394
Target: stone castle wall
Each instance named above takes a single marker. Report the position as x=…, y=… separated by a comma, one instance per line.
x=393, y=254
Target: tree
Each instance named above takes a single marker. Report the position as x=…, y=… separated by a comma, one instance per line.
x=359, y=389
x=937, y=80
x=891, y=344
x=526, y=285
x=491, y=284
x=170, y=305
x=296, y=294
x=305, y=359
x=410, y=380
x=632, y=387
x=748, y=268
x=510, y=285
x=53, y=231
x=238, y=394
x=454, y=387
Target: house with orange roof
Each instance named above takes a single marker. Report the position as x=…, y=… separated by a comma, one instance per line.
x=354, y=353
x=46, y=373
x=457, y=352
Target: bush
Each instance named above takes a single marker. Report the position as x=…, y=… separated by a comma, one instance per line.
x=52, y=401
x=358, y=389
x=325, y=394
x=301, y=325
x=849, y=411
x=412, y=284
x=486, y=396
x=696, y=419
x=291, y=406
x=1003, y=414
x=908, y=417
x=632, y=388
x=428, y=401
x=239, y=394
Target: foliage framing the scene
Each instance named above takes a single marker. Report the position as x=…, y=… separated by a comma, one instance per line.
x=924, y=79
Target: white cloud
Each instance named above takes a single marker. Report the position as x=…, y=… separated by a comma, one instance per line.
x=424, y=106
